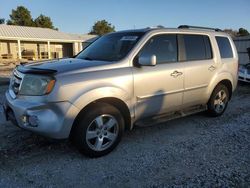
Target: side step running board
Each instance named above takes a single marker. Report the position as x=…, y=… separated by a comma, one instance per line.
x=170, y=116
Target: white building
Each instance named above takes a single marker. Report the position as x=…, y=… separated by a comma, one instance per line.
x=20, y=42
x=242, y=43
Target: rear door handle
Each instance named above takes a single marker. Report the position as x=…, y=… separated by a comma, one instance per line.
x=212, y=68
x=175, y=74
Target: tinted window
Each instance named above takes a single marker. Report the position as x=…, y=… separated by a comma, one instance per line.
x=111, y=47
x=224, y=47
x=197, y=47
x=164, y=47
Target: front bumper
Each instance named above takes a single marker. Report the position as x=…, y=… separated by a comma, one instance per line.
x=53, y=119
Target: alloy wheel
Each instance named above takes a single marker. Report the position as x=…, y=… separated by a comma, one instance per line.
x=220, y=101
x=102, y=132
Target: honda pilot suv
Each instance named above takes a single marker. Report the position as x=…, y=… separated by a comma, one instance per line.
x=126, y=78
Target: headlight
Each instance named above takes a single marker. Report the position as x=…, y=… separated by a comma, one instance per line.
x=36, y=85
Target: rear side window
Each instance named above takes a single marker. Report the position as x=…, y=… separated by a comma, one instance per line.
x=224, y=47
x=197, y=47
x=164, y=47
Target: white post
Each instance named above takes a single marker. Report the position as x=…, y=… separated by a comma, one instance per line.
x=19, y=49
x=49, y=55
x=75, y=48
x=80, y=45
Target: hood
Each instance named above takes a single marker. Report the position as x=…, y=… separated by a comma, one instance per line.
x=59, y=66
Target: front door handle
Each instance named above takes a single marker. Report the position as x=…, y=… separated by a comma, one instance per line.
x=175, y=74
x=212, y=68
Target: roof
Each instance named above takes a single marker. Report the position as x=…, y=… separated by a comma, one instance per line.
x=39, y=34
x=84, y=37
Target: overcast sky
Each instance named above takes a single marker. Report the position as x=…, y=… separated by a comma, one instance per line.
x=78, y=16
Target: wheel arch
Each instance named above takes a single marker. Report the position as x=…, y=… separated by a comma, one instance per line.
x=116, y=102
x=227, y=83
x=229, y=86
x=224, y=78
x=121, y=106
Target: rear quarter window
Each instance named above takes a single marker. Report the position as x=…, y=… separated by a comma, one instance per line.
x=224, y=47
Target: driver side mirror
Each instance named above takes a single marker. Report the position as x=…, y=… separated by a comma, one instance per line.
x=147, y=60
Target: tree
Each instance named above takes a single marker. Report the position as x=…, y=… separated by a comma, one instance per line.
x=43, y=21
x=243, y=32
x=102, y=27
x=21, y=16
x=2, y=21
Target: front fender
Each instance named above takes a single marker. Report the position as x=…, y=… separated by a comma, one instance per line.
x=103, y=92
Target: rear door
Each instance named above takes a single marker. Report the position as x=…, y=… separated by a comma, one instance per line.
x=199, y=66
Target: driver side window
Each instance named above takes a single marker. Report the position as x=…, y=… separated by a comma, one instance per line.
x=164, y=47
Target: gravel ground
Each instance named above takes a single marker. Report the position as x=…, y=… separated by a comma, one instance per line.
x=193, y=151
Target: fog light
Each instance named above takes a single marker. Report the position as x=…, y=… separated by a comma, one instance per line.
x=24, y=120
x=33, y=121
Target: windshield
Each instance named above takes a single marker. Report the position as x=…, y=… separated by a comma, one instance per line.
x=111, y=47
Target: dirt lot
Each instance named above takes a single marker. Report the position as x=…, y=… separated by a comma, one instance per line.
x=193, y=151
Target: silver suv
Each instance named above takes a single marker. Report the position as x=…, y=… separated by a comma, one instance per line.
x=122, y=79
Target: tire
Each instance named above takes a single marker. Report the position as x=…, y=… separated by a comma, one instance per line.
x=99, y=130
x=218, y=101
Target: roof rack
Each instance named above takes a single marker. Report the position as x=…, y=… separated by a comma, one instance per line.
x=197, y=27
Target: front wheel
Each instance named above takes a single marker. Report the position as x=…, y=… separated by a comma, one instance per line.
x=99, y=130
x=218, y=101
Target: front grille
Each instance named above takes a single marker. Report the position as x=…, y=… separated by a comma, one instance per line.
x=16, y=81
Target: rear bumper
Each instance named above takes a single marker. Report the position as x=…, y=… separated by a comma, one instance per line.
x=244, y=77
x=53, y=119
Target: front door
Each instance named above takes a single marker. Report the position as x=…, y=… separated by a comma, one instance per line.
x=159, y=89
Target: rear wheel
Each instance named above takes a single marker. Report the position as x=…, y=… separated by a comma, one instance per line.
x=218, y=101
x=99, y=130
